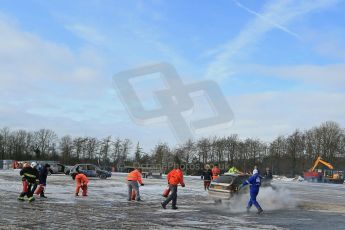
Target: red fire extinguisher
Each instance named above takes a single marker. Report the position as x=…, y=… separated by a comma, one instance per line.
x=166, y=192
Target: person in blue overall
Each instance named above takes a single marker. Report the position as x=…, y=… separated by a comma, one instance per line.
x=43, y=174
x=255, y=183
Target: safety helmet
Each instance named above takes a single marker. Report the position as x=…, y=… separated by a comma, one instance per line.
x=255, y=171
x=33, y=164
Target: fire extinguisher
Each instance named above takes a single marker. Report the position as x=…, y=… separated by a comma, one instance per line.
x=166, y=192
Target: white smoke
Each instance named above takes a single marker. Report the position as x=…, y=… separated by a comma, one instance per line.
x=269, y=199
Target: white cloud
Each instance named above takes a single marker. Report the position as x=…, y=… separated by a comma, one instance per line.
x=325, y=76
x=28, y=62
x=327, y=41
x=87, y=33
x=44, y=84
x=267, y=115
x=277, y=14
x=38, y=76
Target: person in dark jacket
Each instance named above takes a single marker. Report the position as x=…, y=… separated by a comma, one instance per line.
x=268, y=174
x=255, y=182
x=30, y=180
x=43, y=174
x=207, y=177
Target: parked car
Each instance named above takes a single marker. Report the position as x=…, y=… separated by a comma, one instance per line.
x=55, y=166
x=90, y=170
x=226, y=185
x=147, y=172
x=67, y=169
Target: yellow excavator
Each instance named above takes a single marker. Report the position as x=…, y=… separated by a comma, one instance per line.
x=324, y=175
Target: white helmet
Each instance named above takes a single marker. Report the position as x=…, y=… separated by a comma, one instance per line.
x=33, y=164
x=255, y=171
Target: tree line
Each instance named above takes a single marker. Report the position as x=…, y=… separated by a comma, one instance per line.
x=285, y=155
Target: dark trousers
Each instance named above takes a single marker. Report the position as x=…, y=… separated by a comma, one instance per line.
x=207, y=184
x=173, y=196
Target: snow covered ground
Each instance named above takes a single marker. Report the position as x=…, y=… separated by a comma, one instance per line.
x=293, y=205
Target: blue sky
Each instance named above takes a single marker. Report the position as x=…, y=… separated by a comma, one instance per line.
x=281, y=64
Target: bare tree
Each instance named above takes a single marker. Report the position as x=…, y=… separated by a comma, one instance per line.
x=79, y=147
x=66, y=148
x=117, y=149
x=231, y=147
x=137, y=153
x=277, y=151
x=126, y=147
x=161, y=154
x=254, y=148
x=189, y=151
x=105, y=149
x=219, y=149
x=295, y=147
x=289, y=154
x=44, y=139
x=203, y=149
x=91, y=147
x=19, y=144
x=5, y=134
x=331, y=135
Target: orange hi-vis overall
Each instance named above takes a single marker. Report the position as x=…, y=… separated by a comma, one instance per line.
x=133, y=178
x=175, y=177
x=82, y=182
x=135, y=175
x=215, y=172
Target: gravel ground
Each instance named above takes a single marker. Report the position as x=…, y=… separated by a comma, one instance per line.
x=293, y=205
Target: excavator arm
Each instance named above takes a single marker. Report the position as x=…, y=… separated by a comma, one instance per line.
x=318, y=161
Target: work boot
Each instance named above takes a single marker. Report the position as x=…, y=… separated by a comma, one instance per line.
x=31, y=199
x=21, y=198
x=163, y=206
x=260, y=211
x=42, y=195
x=139, y=200
x=174, y=207
x=76, y=194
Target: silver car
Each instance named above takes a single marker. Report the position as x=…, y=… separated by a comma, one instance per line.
x=226, y=185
